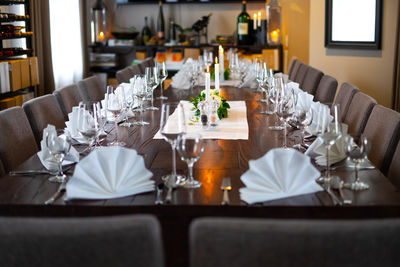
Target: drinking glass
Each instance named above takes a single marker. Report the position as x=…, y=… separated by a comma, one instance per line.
x=208, y=58
x=162, y=75
x=274, y=98
x=88, y=122
x=190, y=148
x=151, y=77
x=140, y=92
x=59, y=145
x=329, y=134
x=304, y=119
x=171, y=127
x=285, y=108
x=195, y=70
x=357, y=154
x=115, y=106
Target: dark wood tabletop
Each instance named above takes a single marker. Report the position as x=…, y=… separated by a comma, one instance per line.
x=25, y=195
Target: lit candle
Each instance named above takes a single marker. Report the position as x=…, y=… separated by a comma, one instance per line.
x=254, y=21
x=216, y=71
x=207, y=83
x=221, y=59
x=101, y=36
x=274, y=36
x=259, y=19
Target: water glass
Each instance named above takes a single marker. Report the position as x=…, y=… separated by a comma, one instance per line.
x=357, y=153
x=162, y=76
x=115, y=106
x=152, y=82
x=59, y=145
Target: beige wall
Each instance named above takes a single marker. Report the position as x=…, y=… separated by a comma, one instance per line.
x=371, y=71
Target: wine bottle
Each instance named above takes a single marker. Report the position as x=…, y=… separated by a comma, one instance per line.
x=172, y=32
x=160, y=23
x=243, y=20
x=10, y=28
x=146, y=32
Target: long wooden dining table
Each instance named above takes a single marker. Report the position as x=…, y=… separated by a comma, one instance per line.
x=25, y=195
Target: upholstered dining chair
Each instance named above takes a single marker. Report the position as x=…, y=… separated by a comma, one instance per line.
x=2, y=170
x=42, y=111
x=149, y=62
x=234, y=242
x=133, y=240
x=301, y=74
x=326, y=89
x=394, y=168
x=294, y=69
x=92, y=88
x=123, y=75
x=291, y=66
x=344, y=97
x=17, y=142
x=382, y=131
x=311, y=80
x=68, y=97
x=357, y=116
x=135, y=70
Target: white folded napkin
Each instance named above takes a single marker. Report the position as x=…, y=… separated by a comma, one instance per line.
x=110, y=172
x=304, y=101
x=284, y=76
x=72, y=126
x=337, y=153
x=181, y=79
x=321, y=118
x=279, y=174
x=294, y=86
x=47, y=160
x=249, y=80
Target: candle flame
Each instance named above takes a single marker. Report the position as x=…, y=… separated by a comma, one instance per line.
x=208, y=68
x=101, y=36
x=216, y=60
x=255, y=16
x=259, y=14
x=221, y=49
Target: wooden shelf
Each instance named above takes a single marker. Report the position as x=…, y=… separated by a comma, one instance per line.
x=2, y=2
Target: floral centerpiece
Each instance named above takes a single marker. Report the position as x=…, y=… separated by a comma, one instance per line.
x=214, y=95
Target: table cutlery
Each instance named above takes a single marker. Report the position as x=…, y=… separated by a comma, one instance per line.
x=61, y=189
x=226, y=186
x=160, y=188
x=338, y=184
x=38, y=172
x=334, y=198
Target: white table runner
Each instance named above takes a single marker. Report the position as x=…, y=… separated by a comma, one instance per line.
x=234, y=127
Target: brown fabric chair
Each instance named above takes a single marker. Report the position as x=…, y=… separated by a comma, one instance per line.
x=301, y=74
x=295, y=69
x=311, y=80
x=42, y=111
x=291, y=66
x=68, y=97
x=2, y=170
x=394, y=169
x=17, y=142
x=382, y=131
x=135, y=70
x=357, y=116
x=326, y=89
x=123, y=75
x=344, y=97
x=149, y=62
x=92, y=89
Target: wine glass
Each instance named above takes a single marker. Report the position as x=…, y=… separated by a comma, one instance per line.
x=304, y=118
x=190, y=148
x=357, y=153
x=330, y=132
x=285, y=108
x=115, y=106
x=151, y=77
x=171, y=127
x=274, y=98
x=162, y=75
x=59, y=145
x=140, y=92
x=88, y=122
x=208, y=58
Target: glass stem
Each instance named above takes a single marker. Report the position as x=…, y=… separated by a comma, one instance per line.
x=356, y=171
x=173, y=146
x=116, y=131
x=190, y=166
x=152, y=98
x=162, y=89
x=328, y=174
x=284, y=135
x=60, y=171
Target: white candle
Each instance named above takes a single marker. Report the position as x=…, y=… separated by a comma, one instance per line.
x=216, y=71
x=255, y=21
x=221, y=62
x=207, y=85
x=259, y=19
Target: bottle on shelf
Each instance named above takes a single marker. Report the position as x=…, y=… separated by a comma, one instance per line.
x=146, y=32
x=160, y=23
x=10, y=28
x=13, y=16
x=172, y=32
x=243, y=20
x=274, y=23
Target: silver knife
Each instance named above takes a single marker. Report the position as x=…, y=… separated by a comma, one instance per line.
x=29, y=172
x=61, y=189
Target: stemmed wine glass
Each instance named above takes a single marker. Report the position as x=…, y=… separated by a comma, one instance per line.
x=329, y=133
x=151, y=77
x=190, y=148
x=115, y=106
x=162, y=75
x=208, y=58
x=285, y=108
x=304, y=118
x=89, y=122
x=274, y=97
x=357, y=154
x=59, y=145
x=171, y=127
x=140, y=92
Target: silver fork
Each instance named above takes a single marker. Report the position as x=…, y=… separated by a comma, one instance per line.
x=226, y=186
x=61, y=189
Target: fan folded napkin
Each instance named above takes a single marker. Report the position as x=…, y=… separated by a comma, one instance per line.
x=337, y=152
x=72, y=126
x=304, y=101
x=110, y=172
x=294, y=86
x=282, y=75
x=279, y=174
x=47, y=160
x=181, y=79
x=249, y=80
x=321, y=118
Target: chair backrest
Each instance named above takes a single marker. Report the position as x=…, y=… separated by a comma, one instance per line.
x=394, y=169
x=344, y=97
x=311, y=80
x=326, y=89
x=216, y=242
x=295, y=69
x=301, y=74
x=98, y=241
x=382, y=131
x=135, y=70
x=149, y=62
x=68, y=97
x=42, y=111
x=123, y=75
x=2, y=170
x=357, y=116
x=17, y=142
x=291, y=66
x=92, y=88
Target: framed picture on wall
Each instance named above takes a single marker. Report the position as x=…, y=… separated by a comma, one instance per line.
x=353, y=24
